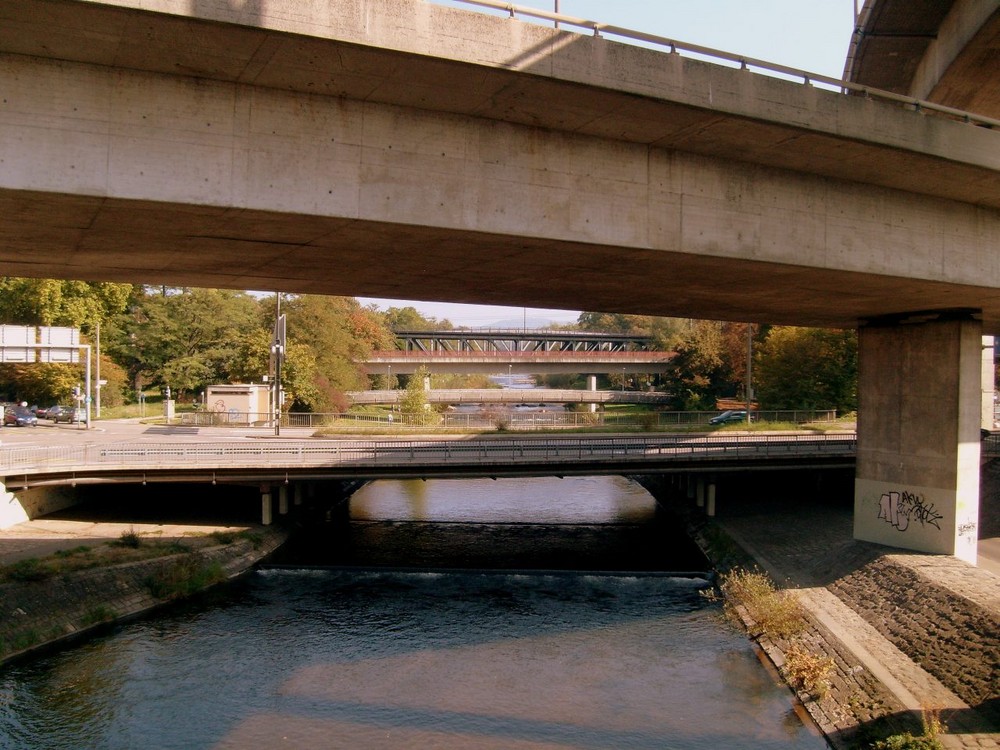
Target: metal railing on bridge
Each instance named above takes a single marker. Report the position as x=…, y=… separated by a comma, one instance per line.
x=495, y=452
x=745, y=62
x=530, y=417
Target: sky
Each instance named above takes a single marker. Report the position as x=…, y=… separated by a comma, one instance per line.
x=811, y=35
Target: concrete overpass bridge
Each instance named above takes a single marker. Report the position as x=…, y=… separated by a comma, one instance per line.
x=283, y=468
x=398, y=149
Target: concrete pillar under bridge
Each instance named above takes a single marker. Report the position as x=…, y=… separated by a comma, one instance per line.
x=919, y=416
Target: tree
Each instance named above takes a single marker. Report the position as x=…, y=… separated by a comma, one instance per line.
x=808, y=368
x=342, y=334
x=184, y=339
x=700, y=372
x=409, y=319
x=57, y=302
x=299, y=376
x=414, y=402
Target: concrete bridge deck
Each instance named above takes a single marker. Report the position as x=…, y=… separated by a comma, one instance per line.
x=414, y=146
x=269, y=460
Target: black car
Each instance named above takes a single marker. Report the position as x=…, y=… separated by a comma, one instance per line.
x=19, y=416
x=61, y=414
x=729, y=417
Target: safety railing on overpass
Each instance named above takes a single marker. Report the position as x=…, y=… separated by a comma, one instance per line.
x=676, y=46
x=281, y=454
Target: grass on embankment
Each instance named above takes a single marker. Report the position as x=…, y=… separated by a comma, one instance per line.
x=129, y=547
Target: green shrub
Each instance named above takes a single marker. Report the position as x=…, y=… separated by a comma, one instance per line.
x=131, y=539
x=907, y=741
x=775, y=612
x=31, y=569
x=184, y=578
x=807, y=671
x=98, y=613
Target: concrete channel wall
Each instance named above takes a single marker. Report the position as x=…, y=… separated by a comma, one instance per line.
x=37, y=614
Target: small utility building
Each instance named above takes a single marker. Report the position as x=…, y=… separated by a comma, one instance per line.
x=240, y=402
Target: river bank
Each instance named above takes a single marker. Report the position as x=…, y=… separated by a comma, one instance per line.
x=906, y=636
x=904, y=632
x=40, y=609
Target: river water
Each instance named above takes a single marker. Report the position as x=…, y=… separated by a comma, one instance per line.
x=491, y=643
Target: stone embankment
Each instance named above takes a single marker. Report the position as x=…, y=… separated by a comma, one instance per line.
x=37, y=613
x=908, y=635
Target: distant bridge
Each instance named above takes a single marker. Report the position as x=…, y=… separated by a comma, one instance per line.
x=515, y=396
x=518, y=362
x=519, y=340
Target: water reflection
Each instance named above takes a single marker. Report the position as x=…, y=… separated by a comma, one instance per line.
x=612, y=499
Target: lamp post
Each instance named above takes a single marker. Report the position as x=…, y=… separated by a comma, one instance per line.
x=749, y=365
x=388, y=377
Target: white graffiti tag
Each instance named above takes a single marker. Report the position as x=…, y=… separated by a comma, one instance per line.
x=899, y=508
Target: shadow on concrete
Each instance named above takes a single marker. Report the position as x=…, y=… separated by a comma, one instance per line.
x=979, y=720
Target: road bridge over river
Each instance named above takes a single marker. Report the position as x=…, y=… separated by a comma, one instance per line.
x=284, y=466
x=397, y=148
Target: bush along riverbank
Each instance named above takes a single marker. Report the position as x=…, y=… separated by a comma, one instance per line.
x=44, y=601
x=851, y=707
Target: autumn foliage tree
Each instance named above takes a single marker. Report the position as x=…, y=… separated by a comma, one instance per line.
x=808, y=368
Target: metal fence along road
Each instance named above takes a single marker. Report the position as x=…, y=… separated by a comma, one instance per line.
x=30, y=465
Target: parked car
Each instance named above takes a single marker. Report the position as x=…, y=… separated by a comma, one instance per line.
x=61, y=414
x=19, y=416
x=728, y=417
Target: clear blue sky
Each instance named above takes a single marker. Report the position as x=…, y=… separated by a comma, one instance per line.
x=811, y=35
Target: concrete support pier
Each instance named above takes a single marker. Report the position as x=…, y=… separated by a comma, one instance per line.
x=266, y=506
x=919, y=415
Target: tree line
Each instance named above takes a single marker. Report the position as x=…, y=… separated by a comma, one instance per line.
x=189, y=338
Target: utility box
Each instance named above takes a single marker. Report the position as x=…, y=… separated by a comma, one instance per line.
x=239, y=403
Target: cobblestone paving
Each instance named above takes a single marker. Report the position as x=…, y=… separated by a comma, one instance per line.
x=927, y=627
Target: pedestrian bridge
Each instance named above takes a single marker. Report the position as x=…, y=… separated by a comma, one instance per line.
x=515, y=396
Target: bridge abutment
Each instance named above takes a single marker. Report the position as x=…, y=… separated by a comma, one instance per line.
x=919, y=416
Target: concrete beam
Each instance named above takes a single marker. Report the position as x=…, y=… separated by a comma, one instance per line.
x=415, y=147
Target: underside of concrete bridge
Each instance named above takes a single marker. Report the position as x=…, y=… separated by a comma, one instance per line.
x=396, y=148
x=402, y=149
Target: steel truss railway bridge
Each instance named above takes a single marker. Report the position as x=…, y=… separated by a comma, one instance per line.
x=519, y=340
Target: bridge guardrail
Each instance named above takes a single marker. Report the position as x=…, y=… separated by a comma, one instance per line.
x=674, y=45
x=495, y=451
x=498, y=417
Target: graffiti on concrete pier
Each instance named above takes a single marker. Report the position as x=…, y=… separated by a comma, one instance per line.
x=901, y=508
